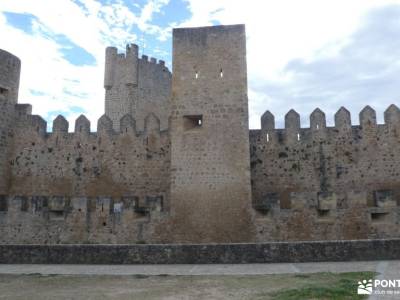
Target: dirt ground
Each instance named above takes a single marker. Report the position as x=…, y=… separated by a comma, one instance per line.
x=36, y=286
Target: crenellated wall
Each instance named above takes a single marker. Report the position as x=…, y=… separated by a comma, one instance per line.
x=83, y=186
x=203, y=178
x=340, y=182
x=85, y=163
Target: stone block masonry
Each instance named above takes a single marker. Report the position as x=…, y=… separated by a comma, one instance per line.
x=340, y=182
x=173, y=161
x=10, y=67
x=278, y=252
x=210, y=170
x=136, y=86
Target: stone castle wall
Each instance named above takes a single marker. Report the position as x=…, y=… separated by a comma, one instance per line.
x=85, y=163
x=206, y=178
x=318, y=183
x=64, y=185
x=340, y=182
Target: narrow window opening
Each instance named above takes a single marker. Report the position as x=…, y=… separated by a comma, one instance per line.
x=196, y=75
x=102, y=207
x=192, y=122
x=298, y=136
x=221, y=73
x=3, y=203
x=24, y=204
x=317, y=126
x=56, y=215
x=378, y=217
x=267, y=137
x=3, y=91
x=126, y=129
x=324, y=214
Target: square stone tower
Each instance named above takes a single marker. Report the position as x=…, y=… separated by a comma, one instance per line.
x=210, y=171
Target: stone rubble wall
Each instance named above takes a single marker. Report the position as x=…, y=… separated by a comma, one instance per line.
x=340, y=182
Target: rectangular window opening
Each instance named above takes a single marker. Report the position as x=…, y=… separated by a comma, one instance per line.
x=3, y=91
x=192, y=122
x=379, y=217
x=3, y=203
x=56, y=215
x=24, y=204
x=323, y=214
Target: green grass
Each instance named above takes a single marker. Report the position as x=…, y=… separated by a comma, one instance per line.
x=330, y=286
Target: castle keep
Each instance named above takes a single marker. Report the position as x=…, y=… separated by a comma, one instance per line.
x=136, y=87
x=173, y=159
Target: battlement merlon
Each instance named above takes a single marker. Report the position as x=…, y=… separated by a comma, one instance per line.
x=368, y=129
x=36, y=125
x=132, y=52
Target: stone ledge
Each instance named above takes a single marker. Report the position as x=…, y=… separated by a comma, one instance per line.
x=274, y=252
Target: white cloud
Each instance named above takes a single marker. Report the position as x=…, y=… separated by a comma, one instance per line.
x=90, y=25
x=280, y=31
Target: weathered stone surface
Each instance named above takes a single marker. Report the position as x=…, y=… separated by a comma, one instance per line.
x=178, y=167
x=10, y=67
x=202, y=254
x=136, y=86
x=327, y=201
x=209, y=159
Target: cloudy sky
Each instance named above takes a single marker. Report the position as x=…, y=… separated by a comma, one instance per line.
x=301, y=54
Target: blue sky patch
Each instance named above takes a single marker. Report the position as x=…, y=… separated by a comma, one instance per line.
x=37, y=93
x=176, y=11
x=77, y=56
x=76, y=109
x=73, y=53
x=20, y=21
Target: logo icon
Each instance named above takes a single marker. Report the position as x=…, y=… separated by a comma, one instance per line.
x=365, y=287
